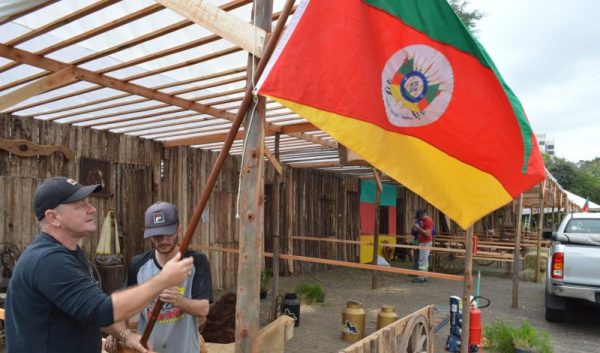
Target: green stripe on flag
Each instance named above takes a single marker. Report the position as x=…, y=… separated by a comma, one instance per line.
x=438, y=21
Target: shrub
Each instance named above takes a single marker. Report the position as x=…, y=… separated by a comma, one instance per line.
x=504, y=338
x=310, y=292
x=265, y=278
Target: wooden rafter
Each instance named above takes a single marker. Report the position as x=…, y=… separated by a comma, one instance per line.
x=200, y=140
x=48, y=83
x=225, y=25
x=92, y=121
x=124, y=95
x=217, y=127
x=86, y=75
x=321, y=164
x=91, y=33
x=135, y=128
x=26, y=12
x=158, y=112
x=59, y=22
x=131, y=43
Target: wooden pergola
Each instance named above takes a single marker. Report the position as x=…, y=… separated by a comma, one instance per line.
x=169, y=71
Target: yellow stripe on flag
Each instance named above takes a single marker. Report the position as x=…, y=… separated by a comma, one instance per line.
x=442, y=180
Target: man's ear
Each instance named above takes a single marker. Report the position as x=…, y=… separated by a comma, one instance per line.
x=51, y=218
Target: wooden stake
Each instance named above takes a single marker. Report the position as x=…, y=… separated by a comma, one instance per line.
x=467, y=287
x=517, y=257
x=276, y=215
x=540, y=229
x=376, y=226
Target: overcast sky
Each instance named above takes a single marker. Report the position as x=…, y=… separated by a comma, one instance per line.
x=548, y=51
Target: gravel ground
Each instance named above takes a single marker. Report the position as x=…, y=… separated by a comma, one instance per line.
x=320, y=325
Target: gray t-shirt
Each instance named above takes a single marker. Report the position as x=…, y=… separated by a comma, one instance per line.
x=174, y=331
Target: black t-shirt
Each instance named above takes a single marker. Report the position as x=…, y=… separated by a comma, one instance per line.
x=53, y=304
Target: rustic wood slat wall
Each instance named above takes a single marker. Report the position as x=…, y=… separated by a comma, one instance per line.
x=324, y=204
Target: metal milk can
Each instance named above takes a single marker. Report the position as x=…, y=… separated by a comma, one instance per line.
x=385, y=316
x=290, y=306
x=353, y=322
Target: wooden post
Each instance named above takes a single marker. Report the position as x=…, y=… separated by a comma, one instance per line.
x=540, y=230
x=251, y=207
x=554, y=192
x=517, y=254
x=378, y=190
x=467, y=287
x=276, y=216
x=289, y=214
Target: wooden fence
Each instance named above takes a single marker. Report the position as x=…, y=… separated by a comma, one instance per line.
x=412, y=333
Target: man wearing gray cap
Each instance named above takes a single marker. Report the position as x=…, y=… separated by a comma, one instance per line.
x=54, y=304
x=185, y=305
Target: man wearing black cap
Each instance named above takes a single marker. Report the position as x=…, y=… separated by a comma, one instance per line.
x=185, y=305
x=54, y=304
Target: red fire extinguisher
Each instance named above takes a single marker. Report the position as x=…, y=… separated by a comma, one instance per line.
x=475, y=320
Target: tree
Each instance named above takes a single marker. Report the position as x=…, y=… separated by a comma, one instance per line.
x=469, y=18
x=591, y=167
x=564, y=171
x=582, y=179
x=586, y=185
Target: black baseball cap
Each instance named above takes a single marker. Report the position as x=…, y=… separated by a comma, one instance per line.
x=58, y=190
x=161, y=219
x=420, y=213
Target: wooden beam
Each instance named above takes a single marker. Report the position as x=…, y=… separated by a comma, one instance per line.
x=271, y=130
x=314, y=139
x=251, y=203
x=540, y=229
x=106, y=81
x=229, y=27
x=120, y=46
x=91, y=33
x=25, y=9
x=200, y=140
x=119, y=96
x=289, y=256
x=467, y=287
x=517, y=253
x=59, y=22
x=58, y=79
x=314, y=164
x=276, y=165
x=377, y=179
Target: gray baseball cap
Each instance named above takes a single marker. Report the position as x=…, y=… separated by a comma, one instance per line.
x=161, y=219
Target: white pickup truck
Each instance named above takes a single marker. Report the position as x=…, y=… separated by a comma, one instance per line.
x=573, y=271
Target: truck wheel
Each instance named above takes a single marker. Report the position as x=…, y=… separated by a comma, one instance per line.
x=555, y=308
x=555, y=315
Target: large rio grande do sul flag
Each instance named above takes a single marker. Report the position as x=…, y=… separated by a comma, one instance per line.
x=404, y=85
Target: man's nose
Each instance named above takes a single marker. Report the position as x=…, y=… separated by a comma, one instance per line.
x=91, y=208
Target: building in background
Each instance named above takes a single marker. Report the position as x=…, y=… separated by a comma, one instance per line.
x=546, y=145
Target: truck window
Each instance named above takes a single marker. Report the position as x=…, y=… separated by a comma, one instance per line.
x=583, y=226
